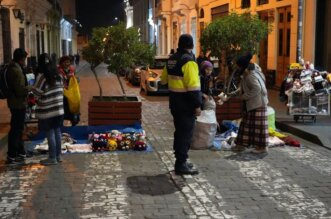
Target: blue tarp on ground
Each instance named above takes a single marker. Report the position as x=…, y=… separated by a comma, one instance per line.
x=80, y=133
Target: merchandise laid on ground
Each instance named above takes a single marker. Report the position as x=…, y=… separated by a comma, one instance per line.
x=86, y=139
x=206, y=135
x=225, y=140
x=308, y=92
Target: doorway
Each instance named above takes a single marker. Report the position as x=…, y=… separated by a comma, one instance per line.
x=284, y=43
x=263, y=50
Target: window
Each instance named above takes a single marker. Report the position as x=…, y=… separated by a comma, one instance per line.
x=245, y=3
x=220, y=11
x=202, y=13
x=261, y=2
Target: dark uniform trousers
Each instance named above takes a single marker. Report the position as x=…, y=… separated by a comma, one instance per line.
x=184, y=124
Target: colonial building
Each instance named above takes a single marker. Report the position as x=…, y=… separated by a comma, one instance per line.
x=296, y=26
x=33, y=25
x=68, y=27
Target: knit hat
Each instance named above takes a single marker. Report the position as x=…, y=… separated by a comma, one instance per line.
x=244, y=60
x=206, y=64
x=185, y=42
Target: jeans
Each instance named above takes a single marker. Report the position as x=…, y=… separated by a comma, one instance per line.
x=184, y=124
x=54, y=143
x=15, y=141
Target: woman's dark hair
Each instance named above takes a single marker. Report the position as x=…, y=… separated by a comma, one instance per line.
x=46, y=67
x=64, y=58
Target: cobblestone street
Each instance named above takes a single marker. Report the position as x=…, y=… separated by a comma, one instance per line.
x=287, y=183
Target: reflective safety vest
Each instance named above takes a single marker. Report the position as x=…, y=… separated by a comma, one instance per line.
x=181, y=73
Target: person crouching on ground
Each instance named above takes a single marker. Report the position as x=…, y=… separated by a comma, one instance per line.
x=253, y=129
x=48, y=90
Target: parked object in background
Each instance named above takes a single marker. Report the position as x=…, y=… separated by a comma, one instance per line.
x=308, y=92
x=150, y=80
x=135, y=74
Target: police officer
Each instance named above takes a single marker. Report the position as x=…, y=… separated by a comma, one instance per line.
x=182, y=75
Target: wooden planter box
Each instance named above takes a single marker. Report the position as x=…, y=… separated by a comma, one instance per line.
x=230, y=110
x=114, y=110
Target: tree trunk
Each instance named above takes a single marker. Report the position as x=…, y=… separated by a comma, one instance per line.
x=96, y=77
x=122, y=87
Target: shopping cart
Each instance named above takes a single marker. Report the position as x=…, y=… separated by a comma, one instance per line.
x=307, y=107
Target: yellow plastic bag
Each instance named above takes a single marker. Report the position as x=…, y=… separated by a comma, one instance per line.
x=72, y=93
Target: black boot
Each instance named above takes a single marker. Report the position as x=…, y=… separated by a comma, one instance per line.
x=184, y=169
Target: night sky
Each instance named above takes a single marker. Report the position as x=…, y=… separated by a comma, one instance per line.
x=96, y=13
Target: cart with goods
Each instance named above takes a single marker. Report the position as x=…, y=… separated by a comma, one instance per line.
x=308, y=92
x=306, y=108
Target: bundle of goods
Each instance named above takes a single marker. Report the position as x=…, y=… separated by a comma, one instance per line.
x=307, y=90
x=303, y=78
x=115, y=140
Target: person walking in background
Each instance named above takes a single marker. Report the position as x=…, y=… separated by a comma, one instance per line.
x=16, y=102
x=67, y=71
x=77, y=59
x=181, y=73
x=253, y=129
x=48, y=90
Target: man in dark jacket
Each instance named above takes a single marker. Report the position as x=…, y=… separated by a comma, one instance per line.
x=182, y=75
x=16, y=102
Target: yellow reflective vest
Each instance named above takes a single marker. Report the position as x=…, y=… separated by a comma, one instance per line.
x=181, y=73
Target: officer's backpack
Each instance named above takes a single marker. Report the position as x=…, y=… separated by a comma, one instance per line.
x=4, y=86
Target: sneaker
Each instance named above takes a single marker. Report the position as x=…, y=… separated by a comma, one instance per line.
x=22, y=156
x=48, y=162
x=14, y=161
x=59, y=159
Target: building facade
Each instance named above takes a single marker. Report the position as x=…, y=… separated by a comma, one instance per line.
x=296, y=24
x=68, y=27
x=33, y=25
x=143, y=19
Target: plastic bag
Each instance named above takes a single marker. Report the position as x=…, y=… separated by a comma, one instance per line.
x=205, y=130
x=72, y=93
x=209, y=104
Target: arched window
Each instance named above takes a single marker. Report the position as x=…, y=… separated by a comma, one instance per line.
x=202, y=13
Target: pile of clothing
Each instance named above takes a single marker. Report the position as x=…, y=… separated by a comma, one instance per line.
x=229, y=132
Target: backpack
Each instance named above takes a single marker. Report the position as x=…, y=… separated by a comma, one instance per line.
x=4, y=86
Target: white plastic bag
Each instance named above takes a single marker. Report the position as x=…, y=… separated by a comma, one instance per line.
x=204, y=130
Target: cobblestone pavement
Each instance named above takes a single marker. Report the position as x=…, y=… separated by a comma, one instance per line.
x=288, y=183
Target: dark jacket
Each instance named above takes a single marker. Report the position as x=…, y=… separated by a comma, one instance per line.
x=205, y=81
x=182, y=75
x=17, y=82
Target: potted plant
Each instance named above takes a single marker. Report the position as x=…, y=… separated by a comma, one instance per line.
x=227, y=38
x=119, y=48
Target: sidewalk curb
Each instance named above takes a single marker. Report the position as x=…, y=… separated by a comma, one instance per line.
x=300, y=133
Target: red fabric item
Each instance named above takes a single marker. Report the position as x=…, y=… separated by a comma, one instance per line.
x=291, y=141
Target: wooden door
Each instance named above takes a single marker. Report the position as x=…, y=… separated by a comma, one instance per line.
x=284, y=43
x=263, y=50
